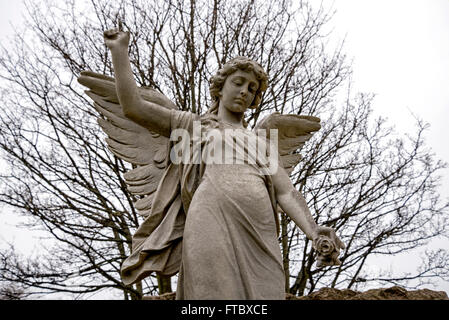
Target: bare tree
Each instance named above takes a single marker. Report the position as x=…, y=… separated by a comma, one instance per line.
x=377, y=190
x=11, y=291
x=379, y=193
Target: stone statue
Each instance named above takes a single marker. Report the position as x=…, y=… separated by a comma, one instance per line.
x=208, y=217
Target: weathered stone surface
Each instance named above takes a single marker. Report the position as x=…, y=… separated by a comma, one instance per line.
x=393, y=293
x=326, y=294
x=165, y=296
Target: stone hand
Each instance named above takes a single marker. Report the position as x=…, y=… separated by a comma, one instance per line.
x=328, y=246
x=116, y=39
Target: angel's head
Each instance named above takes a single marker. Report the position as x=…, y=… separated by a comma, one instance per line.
x=235, y=66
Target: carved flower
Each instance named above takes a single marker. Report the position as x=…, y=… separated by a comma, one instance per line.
x=324, y=245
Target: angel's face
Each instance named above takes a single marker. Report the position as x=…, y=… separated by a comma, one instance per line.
x=238, y=91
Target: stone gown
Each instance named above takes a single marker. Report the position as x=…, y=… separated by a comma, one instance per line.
x=228, y=247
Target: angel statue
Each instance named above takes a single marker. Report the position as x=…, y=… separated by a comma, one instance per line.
x=216, y=223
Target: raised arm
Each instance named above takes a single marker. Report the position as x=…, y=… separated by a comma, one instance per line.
x=295, y=206
x=147, y=114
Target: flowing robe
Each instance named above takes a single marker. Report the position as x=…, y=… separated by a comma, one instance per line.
x=214, y=223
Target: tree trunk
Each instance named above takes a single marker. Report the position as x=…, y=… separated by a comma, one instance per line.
x=285, y=250
x=300, y=283
x=164, y=284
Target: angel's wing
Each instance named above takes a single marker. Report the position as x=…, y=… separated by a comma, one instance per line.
x=129, y=141
x=293, y=132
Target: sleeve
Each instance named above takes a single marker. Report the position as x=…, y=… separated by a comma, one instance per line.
x=182, y=120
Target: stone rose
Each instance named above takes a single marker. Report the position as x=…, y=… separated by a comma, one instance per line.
x=327, y=252
x=324, y=245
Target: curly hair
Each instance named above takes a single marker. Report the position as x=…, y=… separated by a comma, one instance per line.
x=237, y=63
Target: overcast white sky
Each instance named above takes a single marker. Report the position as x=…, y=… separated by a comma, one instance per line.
x=401, y=52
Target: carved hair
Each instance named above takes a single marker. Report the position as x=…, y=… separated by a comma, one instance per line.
x=238, y=63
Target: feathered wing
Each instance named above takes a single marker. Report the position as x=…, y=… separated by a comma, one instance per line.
x=293, y=132
x=147, y=151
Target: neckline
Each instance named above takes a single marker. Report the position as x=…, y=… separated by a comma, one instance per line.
x=238, y=126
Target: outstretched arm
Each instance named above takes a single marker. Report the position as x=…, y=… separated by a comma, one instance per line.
x=147, y=114
x=295, y=206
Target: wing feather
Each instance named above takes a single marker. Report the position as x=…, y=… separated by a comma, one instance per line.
x=293, y=132
x=289, y=161
x=144, y=203
x=145, y=150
